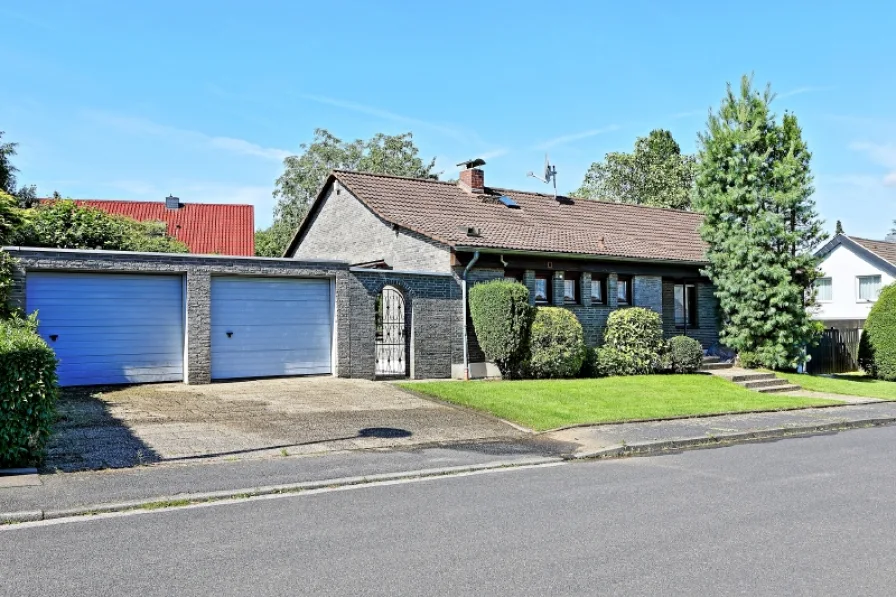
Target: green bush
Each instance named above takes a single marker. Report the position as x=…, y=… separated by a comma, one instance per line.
x=609, y=361
x=556, y=344
x=685, y=354
x=7, y=264
x=877, y=348
x=637, y=334
x=748, y=359
x=502, y=318
x=27, y=393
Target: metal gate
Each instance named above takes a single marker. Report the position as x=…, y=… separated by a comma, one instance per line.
x=391, y=334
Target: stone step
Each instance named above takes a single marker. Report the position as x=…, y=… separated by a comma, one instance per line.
x=714, y=366
x=757, y=384
x=785, y=387
x=739, y=377
x=710, y=360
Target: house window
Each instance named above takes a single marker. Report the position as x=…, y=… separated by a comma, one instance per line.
x=542, y=288
x=869, y=288
x=571, y=289
x=685, y=296
x=823, y=290
x=624, y=290
x=599, y=290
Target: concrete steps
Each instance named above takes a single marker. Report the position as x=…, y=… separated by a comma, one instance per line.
x=714, y=363
x=758, y=381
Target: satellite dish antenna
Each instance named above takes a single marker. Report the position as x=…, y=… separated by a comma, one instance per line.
x=550, y=174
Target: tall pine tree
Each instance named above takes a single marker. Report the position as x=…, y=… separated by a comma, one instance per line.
x=755, y=188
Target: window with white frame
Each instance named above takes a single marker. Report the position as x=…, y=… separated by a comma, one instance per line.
x=868, y=288
x=569, y=290
x=824, y=290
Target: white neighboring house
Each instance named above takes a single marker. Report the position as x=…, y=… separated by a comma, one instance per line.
x=853, y=271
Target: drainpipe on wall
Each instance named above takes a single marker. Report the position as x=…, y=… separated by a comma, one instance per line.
x=464, y=324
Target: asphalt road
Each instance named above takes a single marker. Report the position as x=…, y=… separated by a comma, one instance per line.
x=814, y=516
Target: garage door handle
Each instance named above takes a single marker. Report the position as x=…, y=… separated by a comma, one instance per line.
x=54, y=337
x=230, y=334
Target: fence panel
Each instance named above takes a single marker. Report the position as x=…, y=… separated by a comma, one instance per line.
x=837, y=352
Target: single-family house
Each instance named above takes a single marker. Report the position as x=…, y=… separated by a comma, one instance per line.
x=206, y=228
x=853, y=271
x=586, y=256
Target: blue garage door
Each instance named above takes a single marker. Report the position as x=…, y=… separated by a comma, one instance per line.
x=110, y=328
x=265, y=327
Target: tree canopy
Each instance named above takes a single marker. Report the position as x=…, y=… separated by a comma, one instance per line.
x=304, y=174
x=25, y=195
x=655, y=173
x=754, y=186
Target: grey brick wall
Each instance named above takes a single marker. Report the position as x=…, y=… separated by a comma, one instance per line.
x=432, y=300
x=346, y=230
x=707, y=330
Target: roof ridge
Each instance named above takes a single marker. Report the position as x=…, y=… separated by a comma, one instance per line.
x=141, y=201
x=382, y=175
x=873, y=240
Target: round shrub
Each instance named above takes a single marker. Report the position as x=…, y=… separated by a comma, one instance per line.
x=556, y=344
x=27, y=393
x=685, y=354
x=502, y=318
x=610, y=361
x=748, y=359
x=877, y=348
x=636, y=333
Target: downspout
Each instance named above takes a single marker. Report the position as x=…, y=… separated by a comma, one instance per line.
x=464, y=324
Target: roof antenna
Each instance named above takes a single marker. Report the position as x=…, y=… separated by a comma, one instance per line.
x=550, y=174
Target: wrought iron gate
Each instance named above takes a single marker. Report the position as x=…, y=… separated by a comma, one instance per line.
x=391, y=334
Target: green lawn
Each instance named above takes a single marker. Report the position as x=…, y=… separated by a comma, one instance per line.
x=850, y=384
x=548, y=404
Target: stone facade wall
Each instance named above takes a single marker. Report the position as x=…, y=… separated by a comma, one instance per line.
x=346, y=230
x=432, y=301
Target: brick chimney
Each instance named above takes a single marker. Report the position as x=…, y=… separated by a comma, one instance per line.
x=472, y=179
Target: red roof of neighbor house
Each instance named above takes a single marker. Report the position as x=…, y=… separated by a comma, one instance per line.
x=206, y=228
x=444, y=212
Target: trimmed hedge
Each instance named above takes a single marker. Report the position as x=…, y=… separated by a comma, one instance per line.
x=636, y=334
x=877, y=348
x=502, y=318
x=685, y=354
x=7, y=264
x=556, y=344
x=28, y=393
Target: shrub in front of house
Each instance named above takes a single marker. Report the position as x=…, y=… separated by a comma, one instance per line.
x=610, y=361
x=877, y=347
x=684, y=354
x=633, y=342
x=502, y=318
x=748, y=359
x=556, y=344
x=27, y=393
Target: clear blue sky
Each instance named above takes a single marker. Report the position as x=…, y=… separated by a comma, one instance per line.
x=203, y=99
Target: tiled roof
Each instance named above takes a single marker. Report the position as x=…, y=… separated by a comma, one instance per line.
x=883, y=249
x=207, y=228
x=443, y=211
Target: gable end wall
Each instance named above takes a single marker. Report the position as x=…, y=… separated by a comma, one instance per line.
x=345, y=229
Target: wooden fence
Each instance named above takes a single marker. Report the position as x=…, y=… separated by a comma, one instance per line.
x=837, y=352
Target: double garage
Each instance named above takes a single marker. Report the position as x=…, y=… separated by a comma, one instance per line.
x=129, y=327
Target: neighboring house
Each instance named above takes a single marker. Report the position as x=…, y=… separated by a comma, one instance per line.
x=589, y=257
x=206, y=228
x=853, y=271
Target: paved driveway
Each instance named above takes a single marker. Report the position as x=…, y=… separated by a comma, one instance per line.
x=175, y=423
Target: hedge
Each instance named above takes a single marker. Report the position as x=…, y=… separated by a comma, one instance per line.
x=685, y=354
x=28, y=393
x=502, y=318
x=636, y=334
x=877, y=348
x=556, y=344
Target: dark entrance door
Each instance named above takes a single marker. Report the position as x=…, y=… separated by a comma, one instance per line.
x=391, y=334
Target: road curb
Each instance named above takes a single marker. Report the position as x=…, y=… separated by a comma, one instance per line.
x=183, y=499
x=651, y=448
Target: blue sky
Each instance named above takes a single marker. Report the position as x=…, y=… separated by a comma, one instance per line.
x=204, y=99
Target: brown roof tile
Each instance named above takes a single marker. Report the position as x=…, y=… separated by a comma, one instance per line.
x=883, y=249
x=443, y=211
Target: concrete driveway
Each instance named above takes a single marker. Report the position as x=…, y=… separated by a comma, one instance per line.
x=176, y=423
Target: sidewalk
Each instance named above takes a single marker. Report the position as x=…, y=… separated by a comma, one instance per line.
x=657, y=436
x=70, y=494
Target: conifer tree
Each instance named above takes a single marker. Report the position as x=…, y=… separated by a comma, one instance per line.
x=755, y=188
